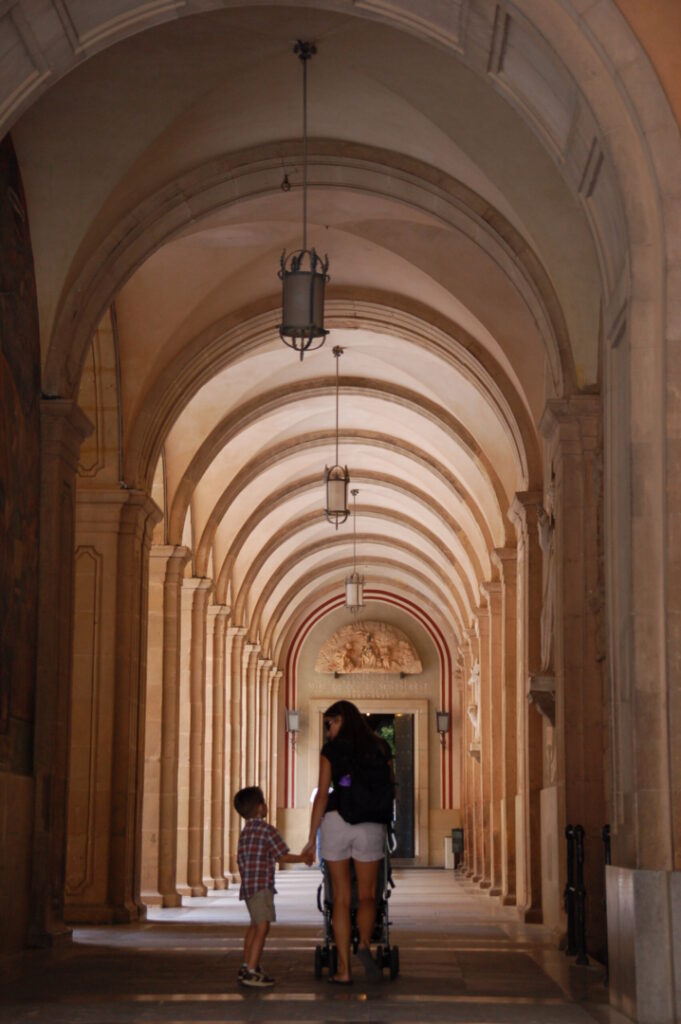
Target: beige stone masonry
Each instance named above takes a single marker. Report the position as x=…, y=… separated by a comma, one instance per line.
x=524, y=515
x=63, y=428
x=506, y=560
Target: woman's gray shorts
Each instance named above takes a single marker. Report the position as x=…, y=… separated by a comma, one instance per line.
x=340, y=841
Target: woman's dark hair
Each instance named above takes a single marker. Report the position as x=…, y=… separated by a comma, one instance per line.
x=355, y=729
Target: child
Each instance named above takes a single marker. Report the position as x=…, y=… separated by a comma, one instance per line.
x=260, y=847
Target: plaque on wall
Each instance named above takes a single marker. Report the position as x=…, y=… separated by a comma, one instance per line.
x=368, y=647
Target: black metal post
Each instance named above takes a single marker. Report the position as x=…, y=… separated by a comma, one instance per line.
x=580, y=898
x=569, y=893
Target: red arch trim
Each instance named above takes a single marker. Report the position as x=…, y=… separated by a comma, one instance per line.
x=446, y=678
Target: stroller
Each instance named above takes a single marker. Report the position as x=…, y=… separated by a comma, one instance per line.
x=386, y=955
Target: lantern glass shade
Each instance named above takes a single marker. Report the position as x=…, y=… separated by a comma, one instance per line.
x=354, y=592
x=292, y=720
x=303, y=277
x=337, y=480
x=442, y=721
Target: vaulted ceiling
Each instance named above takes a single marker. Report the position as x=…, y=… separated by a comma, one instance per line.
x=464, y=291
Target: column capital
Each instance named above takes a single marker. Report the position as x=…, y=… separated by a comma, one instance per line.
x=63, y=428
x=491, y=590
x=506, y=560
x=576, y=418
x=168, y=561
x=218, y=611
x=236, y=631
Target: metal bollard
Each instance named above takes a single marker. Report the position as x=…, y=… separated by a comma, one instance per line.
x=569, y=892
x=580, y=899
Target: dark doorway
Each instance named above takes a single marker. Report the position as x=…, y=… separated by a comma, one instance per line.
x=398, y=731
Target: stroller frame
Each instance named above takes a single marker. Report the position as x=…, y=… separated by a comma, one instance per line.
x=326, y=955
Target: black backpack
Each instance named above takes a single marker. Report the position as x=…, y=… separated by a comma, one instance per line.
x=366, y=793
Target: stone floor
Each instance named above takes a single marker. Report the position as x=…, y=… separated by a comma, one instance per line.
x=463, y=958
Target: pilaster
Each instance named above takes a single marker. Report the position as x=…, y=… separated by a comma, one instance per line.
x=485, y=789
x=236, y=636
x=506, y=560
x=63, y=428
x=493, y=721
x=219, y=768
x=201, y=589
x=138, y=517
x=524, y=513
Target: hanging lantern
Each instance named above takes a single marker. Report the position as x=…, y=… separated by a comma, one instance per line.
x=337, y=477
x=303, y=273
x=354, y=584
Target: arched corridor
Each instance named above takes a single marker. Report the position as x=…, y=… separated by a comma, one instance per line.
x=464, y=958
x=496, y=187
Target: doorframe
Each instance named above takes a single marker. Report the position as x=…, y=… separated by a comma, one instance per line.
x=388, y=706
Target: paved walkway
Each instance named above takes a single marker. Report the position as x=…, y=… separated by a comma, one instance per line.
x=463, y=958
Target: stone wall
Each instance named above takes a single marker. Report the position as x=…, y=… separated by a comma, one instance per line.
x=19, y=510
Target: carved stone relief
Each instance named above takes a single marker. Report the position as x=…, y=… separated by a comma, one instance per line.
x=368, y=647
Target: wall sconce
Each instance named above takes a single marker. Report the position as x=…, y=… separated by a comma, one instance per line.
x=292, y=724
x=442, y=719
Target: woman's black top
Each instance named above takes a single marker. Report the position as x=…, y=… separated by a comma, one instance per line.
x=341, y=756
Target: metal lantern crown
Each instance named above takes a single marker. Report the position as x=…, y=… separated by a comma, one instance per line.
x=303, y=273
x=337, y=477
x=354, y=584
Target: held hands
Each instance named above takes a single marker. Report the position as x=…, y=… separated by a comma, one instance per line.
x=308, y=852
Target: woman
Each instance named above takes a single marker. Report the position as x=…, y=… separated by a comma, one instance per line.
x=349, y=740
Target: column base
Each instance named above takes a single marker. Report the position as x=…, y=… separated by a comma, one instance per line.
x=198, y=890
x=172, y=899
x=644, y=920
x=485, y=883
x=494, y=891
x=508, y=900
x=220, y=883
x=48, y=938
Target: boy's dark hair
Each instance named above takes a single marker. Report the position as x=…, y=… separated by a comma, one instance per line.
x=247, y=801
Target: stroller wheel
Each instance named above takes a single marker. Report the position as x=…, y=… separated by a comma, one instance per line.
x=318, y=961
x=394, y=962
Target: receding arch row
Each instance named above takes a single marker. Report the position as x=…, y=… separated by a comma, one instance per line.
x=290, y=566
x=310, y=483
x=276, y=400
x=333, y=573
x=317, y=440
x=229, y=339
x=294, y=527
x=238, y=176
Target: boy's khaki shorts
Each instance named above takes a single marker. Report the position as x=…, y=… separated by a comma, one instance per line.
x=261, y=907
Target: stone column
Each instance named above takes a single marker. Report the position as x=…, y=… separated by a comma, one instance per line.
x=63, y=428
x=197, y=734
x=274, y=743
x=249, y=711
x=175, y=559
x=471, y=756
x=493, y=719
x=138, y=517
x=464, y=758
x=523, y=513
x=263, y=680
x=184, y=722
x=236, y=636
x=219, y=764
x=485, y=790
x=166, y=565
x=208, y=738
x=571, y=429
x=93, y=681
x=506, y=560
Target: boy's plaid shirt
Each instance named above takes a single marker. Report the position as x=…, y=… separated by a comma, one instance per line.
x=260, y=847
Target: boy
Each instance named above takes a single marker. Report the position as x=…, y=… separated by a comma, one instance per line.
x=260, y=847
